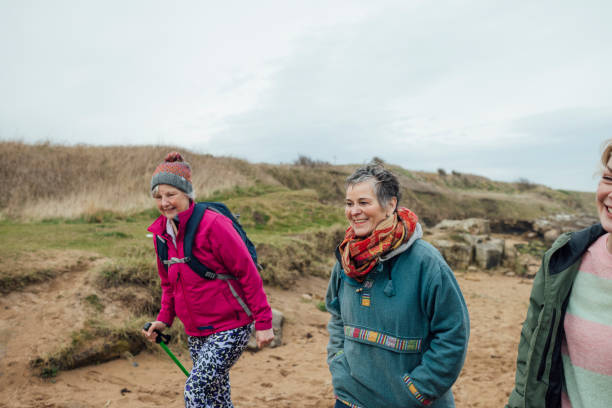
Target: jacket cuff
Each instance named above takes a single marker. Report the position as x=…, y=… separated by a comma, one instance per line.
x=166, y=318
x=264, y=325
x=415, y=392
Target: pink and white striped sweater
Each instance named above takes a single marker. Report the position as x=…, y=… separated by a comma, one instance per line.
x=587, y=345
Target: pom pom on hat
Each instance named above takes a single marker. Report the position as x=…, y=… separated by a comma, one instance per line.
x=174, y=157
x=173, y=171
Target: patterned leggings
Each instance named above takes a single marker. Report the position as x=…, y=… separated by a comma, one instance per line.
x=208, y=385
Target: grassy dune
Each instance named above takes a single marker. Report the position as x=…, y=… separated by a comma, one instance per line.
x=86, y=208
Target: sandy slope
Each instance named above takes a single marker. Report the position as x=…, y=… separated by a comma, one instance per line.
x=296, y=373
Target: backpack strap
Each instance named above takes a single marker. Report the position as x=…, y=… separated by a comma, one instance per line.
x=162, y=250
x=190, y=230
x=193, y=262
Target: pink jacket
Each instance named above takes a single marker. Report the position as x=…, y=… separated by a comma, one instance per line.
x=208, y=306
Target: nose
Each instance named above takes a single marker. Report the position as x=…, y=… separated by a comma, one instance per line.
x=164, y=201
x=355, y=210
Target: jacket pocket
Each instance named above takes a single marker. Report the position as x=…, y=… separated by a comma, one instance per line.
x=336, y=356
x=342, y=380
x=383, y=340
x=413, y=392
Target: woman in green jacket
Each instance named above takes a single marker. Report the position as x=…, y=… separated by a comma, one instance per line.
x=565, y=352
x=399, y=325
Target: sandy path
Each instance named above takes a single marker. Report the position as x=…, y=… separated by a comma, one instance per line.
x=295, y=373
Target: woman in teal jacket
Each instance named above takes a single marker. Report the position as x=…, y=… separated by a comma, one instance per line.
x=565, y=354
x=399, y=325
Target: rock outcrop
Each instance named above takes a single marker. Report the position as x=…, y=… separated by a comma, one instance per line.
x=551, y=227
x=474, y=226
x=277, y=325
x=457, y=254
x=488, y=252
x=466, y=242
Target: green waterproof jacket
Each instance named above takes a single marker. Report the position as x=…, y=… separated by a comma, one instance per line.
x=539, y=368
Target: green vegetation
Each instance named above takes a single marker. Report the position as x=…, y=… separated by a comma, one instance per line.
x=241, y=192
x=457, y=237
x=94, y=301
x=94, y=343
x=49, y=372
x=533, y=247
x=18, y=270
x=75, y=205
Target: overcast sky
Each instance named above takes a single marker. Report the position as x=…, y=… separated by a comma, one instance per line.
x=505, y=89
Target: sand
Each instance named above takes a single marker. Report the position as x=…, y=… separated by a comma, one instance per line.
x=294, y=374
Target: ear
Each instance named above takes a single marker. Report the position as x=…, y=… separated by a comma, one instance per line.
x=391, y=205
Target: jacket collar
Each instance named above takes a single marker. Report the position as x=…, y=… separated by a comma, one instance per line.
x=571, y=247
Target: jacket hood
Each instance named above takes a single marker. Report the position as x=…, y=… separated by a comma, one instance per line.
x=417, y=234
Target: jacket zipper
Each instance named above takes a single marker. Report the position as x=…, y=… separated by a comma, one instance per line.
x=546, y=347
x=185, y=299
x=180, y=283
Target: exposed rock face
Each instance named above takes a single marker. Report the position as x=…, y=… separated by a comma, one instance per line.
x=551, y=227
x=458, y=255
x=470, y=243
x=489, y=252
x=464, y=243
x=551, y=235
x=277, y=325
x=475, y=226
x=511, y=226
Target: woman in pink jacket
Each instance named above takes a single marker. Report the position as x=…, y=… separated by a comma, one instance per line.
x=217, y=325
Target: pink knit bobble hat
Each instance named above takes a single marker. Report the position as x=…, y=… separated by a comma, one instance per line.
x=173, y=171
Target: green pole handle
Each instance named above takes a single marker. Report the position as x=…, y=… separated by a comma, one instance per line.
x=163, y=339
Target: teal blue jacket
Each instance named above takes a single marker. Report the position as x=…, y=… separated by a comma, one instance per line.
x=398, y=339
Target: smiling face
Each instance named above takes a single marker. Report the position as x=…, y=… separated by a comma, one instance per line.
x=604, y=198
x=362, y=209
x=170, y=200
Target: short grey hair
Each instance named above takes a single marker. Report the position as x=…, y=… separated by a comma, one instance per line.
x=191, y=195
x=386, y=184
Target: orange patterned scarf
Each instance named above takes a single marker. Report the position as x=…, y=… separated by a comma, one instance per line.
x=360, y=255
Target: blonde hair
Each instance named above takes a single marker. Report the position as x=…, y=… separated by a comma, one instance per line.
x=606, y=152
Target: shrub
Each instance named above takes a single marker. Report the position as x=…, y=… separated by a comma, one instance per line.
x=524, y=184
x=306, y=161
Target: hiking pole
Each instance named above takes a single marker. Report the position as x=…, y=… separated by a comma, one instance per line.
x=162, y=340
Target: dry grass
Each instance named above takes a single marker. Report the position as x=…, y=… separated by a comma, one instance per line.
x=94, y=201
x=307, y=254
x=94, y=343
x=69, y=181
x=39, y=266
x=49, y=181
x=133, y=282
